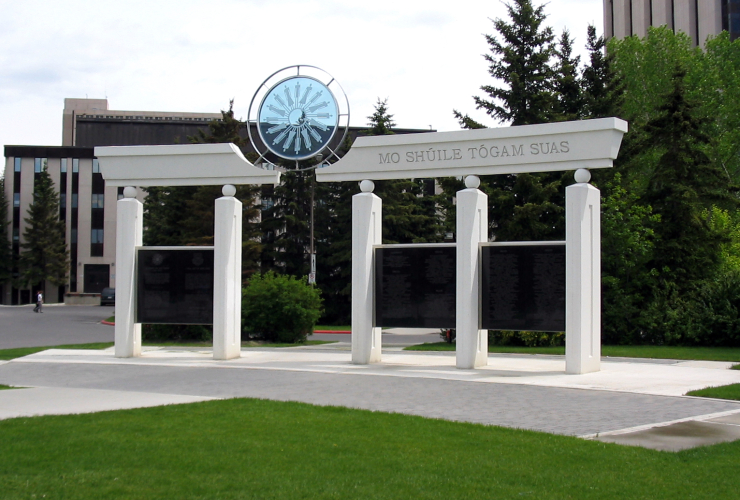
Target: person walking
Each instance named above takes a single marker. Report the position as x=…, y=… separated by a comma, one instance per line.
x=39, y=302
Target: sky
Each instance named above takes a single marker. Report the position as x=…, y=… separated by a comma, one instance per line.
x=424, y=56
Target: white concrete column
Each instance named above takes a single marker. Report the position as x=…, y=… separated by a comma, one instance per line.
x=582, y=276
x=227, y=268
x=129, y=229
x=367, y=210
x=472, y=229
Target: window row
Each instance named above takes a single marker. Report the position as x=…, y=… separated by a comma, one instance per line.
x=41, y=163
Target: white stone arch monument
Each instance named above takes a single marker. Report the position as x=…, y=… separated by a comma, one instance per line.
x=577, y=145
x=181, y=165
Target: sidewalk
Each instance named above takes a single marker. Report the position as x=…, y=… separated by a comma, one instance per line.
x=629, y=401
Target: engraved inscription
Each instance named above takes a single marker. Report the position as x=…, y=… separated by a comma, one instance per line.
x=175, y=286
x=415, y=287
x=523, y=288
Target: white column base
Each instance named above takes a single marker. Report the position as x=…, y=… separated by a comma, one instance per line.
x=129, y=230
x=366, y=232
x=472, y=229
x=227, y=260
x=582, y=279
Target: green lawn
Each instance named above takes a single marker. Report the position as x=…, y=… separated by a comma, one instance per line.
x=4, y=387
x=731, y=391
x=628, y=351
x=333, y=328
x=244, y=448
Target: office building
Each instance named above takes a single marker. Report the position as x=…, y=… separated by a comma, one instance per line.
x=699, y=19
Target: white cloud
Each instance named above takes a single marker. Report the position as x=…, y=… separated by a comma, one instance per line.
x=187, y=55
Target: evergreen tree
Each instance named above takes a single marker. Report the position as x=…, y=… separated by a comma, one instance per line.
x=683, y=185
x=567, y=84
x=521, y=59
x=45, y=258
x=409, y=205
x=523, y=206
x=286, y=223
x=6, y=254
x=603, y=90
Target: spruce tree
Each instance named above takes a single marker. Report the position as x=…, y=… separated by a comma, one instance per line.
x=567, y=83
x=6, y=254
x=523, y=206
x=603, y=90
x=521, y=58
x=409, y=205
x=44, y=257
x=682, y=186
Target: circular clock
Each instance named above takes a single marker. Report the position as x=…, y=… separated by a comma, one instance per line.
x=298, y=115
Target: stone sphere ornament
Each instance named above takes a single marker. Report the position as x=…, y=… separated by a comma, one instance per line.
x=472, y=181
x=228, y=190
x=367, y=186
x=582, y=175
x=129, y=192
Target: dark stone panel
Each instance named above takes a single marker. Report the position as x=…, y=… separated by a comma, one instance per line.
x=415, y=287
x=174, y=286
x=523, y=288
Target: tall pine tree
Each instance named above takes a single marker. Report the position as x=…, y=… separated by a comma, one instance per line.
x=44, y=258
x=6, y=255
x=681, y=187
x=523, y=206
x=567, y=83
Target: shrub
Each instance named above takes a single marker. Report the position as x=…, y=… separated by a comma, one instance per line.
x=279, y=308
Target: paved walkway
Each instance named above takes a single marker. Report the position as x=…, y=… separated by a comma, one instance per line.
x=629, y=401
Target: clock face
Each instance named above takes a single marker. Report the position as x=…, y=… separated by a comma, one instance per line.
x=297, y=118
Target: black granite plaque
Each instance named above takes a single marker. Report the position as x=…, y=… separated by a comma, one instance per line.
x=174, y=286
x=523, y=288
x=415, y=287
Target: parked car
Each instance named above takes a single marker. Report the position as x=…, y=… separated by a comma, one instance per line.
x=108, y=297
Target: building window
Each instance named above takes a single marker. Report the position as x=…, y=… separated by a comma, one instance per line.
x=96, y=166
x=75, y=165
x=16, y=199
x=16, y=164
x=74, y=200
x=98, y=200
x=38, y=164
x=73, y=236
x=16, y=234
x=96, y=236
x=63, y=167
x=62, y=200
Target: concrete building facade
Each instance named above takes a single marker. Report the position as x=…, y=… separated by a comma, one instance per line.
x=87, y=205
x=699, y=19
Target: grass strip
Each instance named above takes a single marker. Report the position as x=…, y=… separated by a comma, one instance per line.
x=628, y=351
x=5, y=387
x=7, y=354
x=245, y=448
x=731, y=391
x=333, y=328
